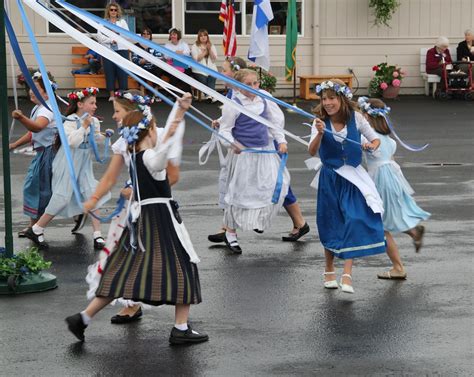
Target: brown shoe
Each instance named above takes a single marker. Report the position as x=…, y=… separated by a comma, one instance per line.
x=387, y=275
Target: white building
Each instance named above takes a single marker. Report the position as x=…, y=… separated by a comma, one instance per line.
x=335, y=34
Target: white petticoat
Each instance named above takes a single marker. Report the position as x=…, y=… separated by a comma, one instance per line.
x=251, y=181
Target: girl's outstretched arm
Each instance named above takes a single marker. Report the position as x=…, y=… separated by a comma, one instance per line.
x=25, y=139
x=32, y=125
x=317, y=135
x=108, y=180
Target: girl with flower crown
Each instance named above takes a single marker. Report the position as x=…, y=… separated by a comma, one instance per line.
x=42, y=133
x=401, y=213
x=154, y=261
x=348, y=206
x=78, y=127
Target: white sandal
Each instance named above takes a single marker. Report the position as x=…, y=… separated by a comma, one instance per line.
x=346, y=287
x=332, y=284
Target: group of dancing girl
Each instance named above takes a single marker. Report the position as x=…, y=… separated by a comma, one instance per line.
x=147, y=258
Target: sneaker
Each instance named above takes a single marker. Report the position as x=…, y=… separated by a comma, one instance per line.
x=187, y=336
x=216, y=238
x=80, y=221
x=76, y=325
x=99, y=243
x=38, y=239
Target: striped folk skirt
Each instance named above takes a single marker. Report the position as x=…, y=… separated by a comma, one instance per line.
x=162, y=274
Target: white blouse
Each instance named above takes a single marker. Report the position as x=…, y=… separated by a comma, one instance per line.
x=207, y=61
x=76, y=136
x=106, y=41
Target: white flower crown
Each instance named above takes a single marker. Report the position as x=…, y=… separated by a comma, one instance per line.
x=366, y=107
x=339, y=89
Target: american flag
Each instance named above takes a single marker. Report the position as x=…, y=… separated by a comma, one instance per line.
x=227, y=16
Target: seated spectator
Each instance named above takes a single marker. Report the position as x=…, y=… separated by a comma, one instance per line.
x=465, y=50
x=205, y=53
x=93, y=64
x=146, y=65
x=180, y=47
x=436, y=57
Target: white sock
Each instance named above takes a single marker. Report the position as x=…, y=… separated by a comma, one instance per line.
x=37, y=229
x=85, y=318
x=182, y=326
x=231, y=237
x=97, y=234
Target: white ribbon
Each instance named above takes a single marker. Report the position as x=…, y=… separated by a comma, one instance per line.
x=207, y=149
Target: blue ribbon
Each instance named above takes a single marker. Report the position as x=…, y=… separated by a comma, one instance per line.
x=410, y=147
x=105, y=219
x=279, y=182
x=94, y=147
x=21, y=62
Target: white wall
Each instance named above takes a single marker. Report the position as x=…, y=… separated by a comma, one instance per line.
x=337, y=34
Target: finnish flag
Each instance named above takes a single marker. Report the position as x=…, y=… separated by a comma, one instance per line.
x=259, y=50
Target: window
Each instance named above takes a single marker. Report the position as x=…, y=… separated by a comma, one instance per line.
x=205, y=14
x=155, y=14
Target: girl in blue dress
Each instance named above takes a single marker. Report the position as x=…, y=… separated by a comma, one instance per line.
x=348, y=206
x=77, y=127
x=401, y=213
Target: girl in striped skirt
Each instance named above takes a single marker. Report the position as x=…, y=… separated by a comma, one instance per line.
x=154, y=261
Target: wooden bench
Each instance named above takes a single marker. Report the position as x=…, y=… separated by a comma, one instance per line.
x=307, y=81
x=87, y=80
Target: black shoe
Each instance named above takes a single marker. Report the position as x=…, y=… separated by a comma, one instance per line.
x=258, y=231
x=121, y=319
x=80, y=221
x=21, y=233
x=233, y=246
x=216, y=238
x=36, y=238
x=99, y=243
x=187, y=336
x=76, y=325
x=296, y=236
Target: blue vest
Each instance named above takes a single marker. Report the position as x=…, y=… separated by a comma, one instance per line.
x=249, y=132
x=334, y=154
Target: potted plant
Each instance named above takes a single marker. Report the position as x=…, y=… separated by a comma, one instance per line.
x=14, y=269
x=386, y=81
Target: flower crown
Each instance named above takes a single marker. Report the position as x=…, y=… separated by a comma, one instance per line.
x=233, y=65
x=37, y=75
x=366, y=107
x=141, y=101
x=81, y=94
x=339, y=89
x=130, y=134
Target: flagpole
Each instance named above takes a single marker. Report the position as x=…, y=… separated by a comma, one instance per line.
x=294, y=86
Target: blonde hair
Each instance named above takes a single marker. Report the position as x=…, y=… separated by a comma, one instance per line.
x=241, y=74
x=107, y=10
x=347, y=106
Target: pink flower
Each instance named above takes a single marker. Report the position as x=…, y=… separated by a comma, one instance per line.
x=403, y=72
x=383, y=86
x=396, y=82
x=396, y=74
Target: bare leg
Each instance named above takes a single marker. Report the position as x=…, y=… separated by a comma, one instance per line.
x=95, y=222
x=44, y=220
x=294, y=211
x=394, y=255
x=329, y=257
x=96, y=305
x=181, y=313
x=347, y=270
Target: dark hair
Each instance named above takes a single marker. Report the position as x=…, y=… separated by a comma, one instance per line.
x=235, y=60
x=378, y=123
x=175, y=31
x=133, y=118
x=347, y=106
x=72, y=106
x=148, y=30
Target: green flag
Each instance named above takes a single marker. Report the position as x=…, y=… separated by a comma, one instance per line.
x=291, y=40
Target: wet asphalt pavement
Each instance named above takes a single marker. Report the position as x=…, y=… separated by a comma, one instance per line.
x=266, y=311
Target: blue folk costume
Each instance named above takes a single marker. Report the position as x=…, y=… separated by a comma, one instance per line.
x=37, y=185
x=401, y=213
x=251, y=177
x=348, y=205
x=63, y=202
